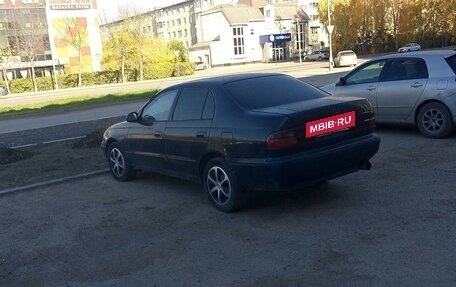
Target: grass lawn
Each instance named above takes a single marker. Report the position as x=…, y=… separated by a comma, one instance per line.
x=74, y=103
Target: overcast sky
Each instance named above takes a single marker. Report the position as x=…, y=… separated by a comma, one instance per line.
x=108, y=9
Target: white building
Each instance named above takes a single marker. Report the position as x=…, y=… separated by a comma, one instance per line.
x=243, y=34
x=231, y=36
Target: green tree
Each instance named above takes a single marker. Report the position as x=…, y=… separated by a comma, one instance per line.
x=117, y=49
x=76, y=35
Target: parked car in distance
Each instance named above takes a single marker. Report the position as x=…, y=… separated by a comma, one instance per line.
x=410, y=47
x=315, y=56
x=244, y=132
x=200, y=66
x=345, y=58
x=418, y=88
x=325, y=53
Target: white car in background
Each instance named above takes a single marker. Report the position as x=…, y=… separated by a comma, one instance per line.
x=410, y=47
x=345, y=58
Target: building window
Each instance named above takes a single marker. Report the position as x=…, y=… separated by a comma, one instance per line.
x=179, y=33
x=185, y=21
x=314, y=30
x=185, y=33
x=268, y=13
x=179, y=22
x=238, y=40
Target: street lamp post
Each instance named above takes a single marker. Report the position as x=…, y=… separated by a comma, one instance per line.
x=330, y=30
x=299, y=40
x=56, y=84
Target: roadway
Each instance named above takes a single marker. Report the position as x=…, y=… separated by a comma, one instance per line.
x=307, y=71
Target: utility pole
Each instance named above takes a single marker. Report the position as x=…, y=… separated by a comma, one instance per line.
x=330, y=30
x=56, y=84
x=299, y=40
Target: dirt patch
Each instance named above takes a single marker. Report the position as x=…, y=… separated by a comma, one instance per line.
x=92, y=140
x=43, y=162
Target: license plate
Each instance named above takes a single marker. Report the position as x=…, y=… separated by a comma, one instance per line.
x=330, y=124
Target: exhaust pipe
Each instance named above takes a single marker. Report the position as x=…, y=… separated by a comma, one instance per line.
x=366, y=166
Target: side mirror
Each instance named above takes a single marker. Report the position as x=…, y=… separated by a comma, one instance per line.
x=132, y=117
x=342, y=81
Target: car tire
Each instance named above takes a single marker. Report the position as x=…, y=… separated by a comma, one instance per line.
x=119, y=165
x=435, y=120
x=306, y=59
x=222, y=187
x=320, y=58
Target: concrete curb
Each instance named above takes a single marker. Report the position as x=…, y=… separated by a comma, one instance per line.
x=51, y=182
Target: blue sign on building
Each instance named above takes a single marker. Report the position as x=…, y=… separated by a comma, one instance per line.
x=275, y=38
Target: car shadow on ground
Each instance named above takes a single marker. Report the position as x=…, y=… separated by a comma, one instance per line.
x=307, y=198
x=406, y=130
x=403, y=129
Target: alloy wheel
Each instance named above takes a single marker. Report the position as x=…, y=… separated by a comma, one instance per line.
x=433, y=120
x=117, y=162
x=218, y=185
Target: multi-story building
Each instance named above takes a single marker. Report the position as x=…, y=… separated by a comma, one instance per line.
x=175, y=22
x=42, y=34
x=318, y=36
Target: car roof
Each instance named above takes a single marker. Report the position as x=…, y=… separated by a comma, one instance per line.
x=427, y=53
x=220, y=80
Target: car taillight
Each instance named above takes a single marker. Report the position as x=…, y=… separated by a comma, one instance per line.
x=282, y=140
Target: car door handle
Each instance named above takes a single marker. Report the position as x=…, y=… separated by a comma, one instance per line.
x=416, y=85
x=157, y=134
x=200, y=134
x=371, y=88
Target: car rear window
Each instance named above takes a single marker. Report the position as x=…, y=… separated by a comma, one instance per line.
x=270, y=91
x=347, y=54
x=452, y=62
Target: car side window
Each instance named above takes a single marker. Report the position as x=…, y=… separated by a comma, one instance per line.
x=190, y=104
x=159, y=108
x=406, y=69
x=209, y=107
x=368, y=74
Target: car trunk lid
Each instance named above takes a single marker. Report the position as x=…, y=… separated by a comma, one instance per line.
x=321, y=122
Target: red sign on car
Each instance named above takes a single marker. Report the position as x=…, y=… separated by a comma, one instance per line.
x=330, y=124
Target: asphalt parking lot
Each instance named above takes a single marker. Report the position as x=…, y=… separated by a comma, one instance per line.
x=391, y=226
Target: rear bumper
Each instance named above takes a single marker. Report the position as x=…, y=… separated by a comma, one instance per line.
x=292, y=172
x=347, y=62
